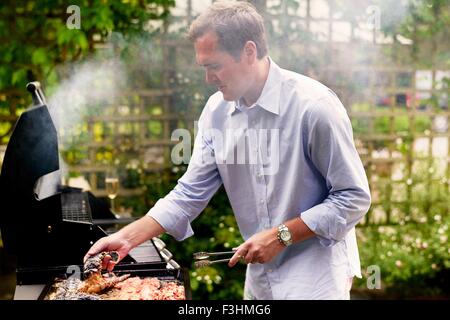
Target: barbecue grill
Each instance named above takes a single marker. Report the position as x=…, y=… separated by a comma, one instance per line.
x=48, y=227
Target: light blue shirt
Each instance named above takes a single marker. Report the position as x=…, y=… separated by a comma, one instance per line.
x=290, y=154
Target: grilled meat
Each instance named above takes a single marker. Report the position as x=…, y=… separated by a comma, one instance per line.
x=111, y=287
x=97, y=282
x=149, y=288
x=67, y=289
x=98, y=262
x=94, y=281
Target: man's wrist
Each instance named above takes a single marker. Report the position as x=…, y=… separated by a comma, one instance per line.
x=284, y=235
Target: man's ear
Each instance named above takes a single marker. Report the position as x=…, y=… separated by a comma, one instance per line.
x=250, y=51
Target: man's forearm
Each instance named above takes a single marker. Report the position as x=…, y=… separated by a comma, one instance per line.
x=299, y=230
x=141, y=230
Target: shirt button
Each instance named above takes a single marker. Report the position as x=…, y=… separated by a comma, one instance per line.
x=262, y=201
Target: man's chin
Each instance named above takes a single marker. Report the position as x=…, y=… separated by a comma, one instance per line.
x=228, y=97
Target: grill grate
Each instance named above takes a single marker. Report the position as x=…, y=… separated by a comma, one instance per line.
x=75, y=207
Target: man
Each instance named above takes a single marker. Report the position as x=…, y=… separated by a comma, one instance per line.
x=297, y=204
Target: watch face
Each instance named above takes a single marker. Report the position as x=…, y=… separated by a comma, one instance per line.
x=285, y=235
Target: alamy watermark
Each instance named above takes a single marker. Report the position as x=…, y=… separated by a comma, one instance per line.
x=233, y=146
x=74, y=271
x=374, y=279
x=74, y=20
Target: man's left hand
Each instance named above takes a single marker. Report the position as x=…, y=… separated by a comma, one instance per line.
x=260, y=248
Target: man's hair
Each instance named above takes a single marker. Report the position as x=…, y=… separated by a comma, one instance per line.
x=234, y=23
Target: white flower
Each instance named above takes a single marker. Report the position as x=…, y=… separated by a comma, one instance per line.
x=398, y=263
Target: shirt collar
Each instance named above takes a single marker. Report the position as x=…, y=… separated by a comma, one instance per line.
x=270, y=95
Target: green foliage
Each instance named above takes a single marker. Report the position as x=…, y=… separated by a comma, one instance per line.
x=35, y=38
x=401, y=125
x=412, y=248
x=414, y=258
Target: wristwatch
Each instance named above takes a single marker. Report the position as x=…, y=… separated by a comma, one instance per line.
x=284, y=235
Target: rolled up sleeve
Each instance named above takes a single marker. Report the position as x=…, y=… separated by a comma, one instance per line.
x=194, y=189
x=333, y=153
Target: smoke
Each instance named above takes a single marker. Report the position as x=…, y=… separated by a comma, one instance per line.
x=91, y=87
x=98, y=86
x=358, y=33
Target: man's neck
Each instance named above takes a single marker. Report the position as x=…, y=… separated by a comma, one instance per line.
x=262, y=72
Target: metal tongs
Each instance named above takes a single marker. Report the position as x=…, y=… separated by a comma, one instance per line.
x=202, y=258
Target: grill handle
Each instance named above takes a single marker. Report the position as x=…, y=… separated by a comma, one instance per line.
x=36, y=93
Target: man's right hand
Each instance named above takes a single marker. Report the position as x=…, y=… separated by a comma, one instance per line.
x=127, y=238
x=113, y=242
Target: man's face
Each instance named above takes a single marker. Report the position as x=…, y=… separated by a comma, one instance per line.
x=231, y=77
